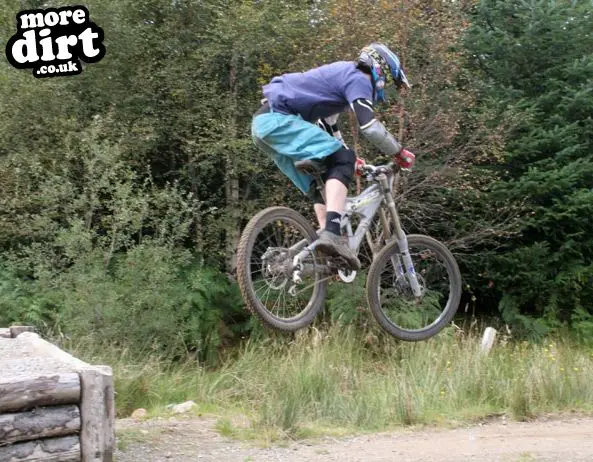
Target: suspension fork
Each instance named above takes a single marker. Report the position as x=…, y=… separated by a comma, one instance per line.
x=396, y=260
x=400, y=235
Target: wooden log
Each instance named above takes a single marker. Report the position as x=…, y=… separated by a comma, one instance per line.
x=97, y=411
x=42, y=347
x=65, y=449
x=5, y=333
x=43, y=422
x=25, y=392
x=15, y=331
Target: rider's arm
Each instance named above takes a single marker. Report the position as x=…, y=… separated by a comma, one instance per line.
x=373, y=129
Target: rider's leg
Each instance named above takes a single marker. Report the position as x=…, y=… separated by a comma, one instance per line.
x=288, y=139
x=340, y=170
x=320, y=213
x=318, y=204
x=335, y=192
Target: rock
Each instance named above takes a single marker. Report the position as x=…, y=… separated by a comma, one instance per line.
x=139, y=414
x=183, y=407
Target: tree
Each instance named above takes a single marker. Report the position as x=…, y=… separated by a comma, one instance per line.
x=536, y=67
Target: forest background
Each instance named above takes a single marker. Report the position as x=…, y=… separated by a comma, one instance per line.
x=123, y=190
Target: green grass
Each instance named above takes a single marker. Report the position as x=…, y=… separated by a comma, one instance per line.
x=342, y=381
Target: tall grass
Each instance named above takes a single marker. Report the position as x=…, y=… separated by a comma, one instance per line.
x=344, y=379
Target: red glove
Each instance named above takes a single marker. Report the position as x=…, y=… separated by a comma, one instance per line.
x=360, y=162
x=405, y=159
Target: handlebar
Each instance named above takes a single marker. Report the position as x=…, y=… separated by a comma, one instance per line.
x=368, y=169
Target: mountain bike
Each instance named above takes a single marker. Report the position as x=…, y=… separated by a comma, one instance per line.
x=413, y=285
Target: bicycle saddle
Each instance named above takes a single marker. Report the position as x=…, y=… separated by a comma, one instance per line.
x=311, y=167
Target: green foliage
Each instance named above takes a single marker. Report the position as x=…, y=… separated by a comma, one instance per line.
x=535, y=61
x=151, y=300
x=145, y=159
x=95, y=247
x=346, y=303
x=20, y=303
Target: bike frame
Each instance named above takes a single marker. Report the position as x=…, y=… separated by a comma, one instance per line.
x=366, y=205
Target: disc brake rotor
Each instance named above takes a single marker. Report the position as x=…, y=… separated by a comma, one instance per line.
x=274, y=267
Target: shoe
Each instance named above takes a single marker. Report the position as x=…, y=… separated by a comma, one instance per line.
x=333, y=245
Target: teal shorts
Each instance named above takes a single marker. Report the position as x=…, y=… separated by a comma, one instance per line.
x=289, y=138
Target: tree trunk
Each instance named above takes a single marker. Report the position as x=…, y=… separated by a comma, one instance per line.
x=25, y=392
x=232, y=179
x=404, y=45
x=65, y=449
x=44, y=422
x=197, y=216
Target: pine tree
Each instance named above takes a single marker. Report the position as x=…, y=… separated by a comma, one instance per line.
x=535, y=62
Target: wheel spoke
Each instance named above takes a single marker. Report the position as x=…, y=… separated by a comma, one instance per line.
x=268, y=276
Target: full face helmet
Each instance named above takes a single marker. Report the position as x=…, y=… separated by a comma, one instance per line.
x=381, y=62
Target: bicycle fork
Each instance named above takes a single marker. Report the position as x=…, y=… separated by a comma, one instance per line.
x=403, y=264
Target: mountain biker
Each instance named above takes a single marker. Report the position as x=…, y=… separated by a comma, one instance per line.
x=297, y=121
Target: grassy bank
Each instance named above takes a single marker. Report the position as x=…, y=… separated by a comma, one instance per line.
x=342, y=381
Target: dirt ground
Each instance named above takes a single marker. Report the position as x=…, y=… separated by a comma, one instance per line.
x=565, y=439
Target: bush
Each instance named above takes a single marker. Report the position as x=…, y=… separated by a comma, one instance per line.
x=103, y=253
x=153, y=299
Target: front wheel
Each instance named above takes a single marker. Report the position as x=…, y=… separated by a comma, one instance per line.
x=268, y=244
x=392, y=301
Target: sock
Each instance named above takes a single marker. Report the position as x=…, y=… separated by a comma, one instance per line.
x=332, y=222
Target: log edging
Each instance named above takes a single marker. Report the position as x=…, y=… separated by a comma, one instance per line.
x=88, y=389
x=64, y=449
x=24, y=392
x=43, y=422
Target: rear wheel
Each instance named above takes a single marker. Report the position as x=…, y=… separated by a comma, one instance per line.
x=392, y=301
x=266, y=249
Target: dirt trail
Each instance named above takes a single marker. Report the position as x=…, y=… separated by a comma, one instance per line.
x=555, y=439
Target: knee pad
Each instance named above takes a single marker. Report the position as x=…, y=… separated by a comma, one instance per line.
x=340, y=166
